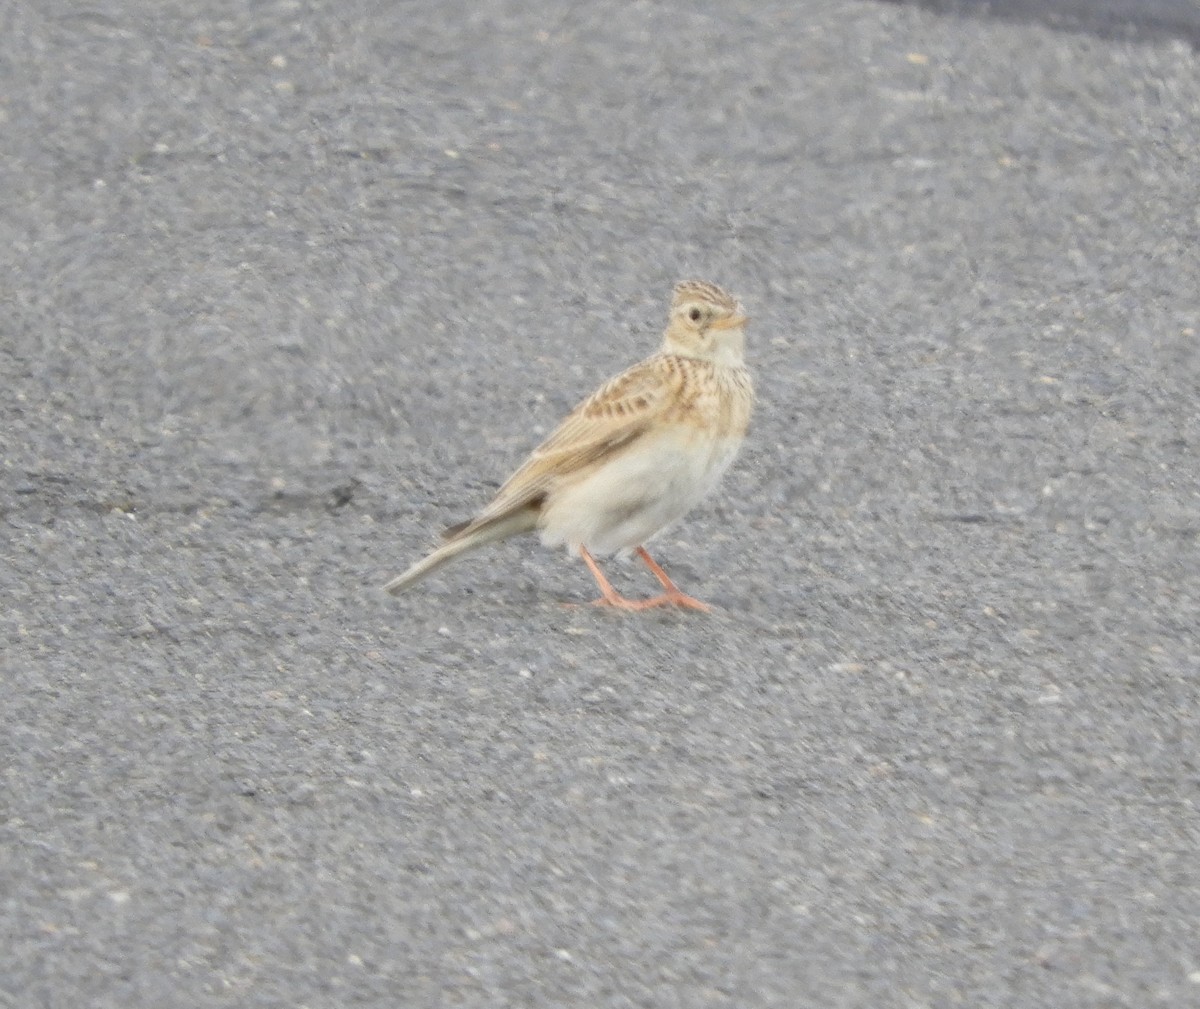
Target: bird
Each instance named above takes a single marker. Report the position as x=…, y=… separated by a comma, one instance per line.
x=631, y=459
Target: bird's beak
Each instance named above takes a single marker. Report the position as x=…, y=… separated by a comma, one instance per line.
x=733, y=322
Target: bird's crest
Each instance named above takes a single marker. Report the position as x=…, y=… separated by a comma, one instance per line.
x=701, y=290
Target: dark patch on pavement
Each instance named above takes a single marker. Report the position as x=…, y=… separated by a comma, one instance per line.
x=1138, y=19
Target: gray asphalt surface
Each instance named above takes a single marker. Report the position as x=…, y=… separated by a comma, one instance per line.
x=288, y=286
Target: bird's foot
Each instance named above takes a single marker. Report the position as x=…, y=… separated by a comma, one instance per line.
x=666, y=599
x=611, y=597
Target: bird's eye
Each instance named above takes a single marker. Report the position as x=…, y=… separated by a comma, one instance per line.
x=694, y=314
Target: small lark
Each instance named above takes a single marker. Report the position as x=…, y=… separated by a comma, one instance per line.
x=632, y=458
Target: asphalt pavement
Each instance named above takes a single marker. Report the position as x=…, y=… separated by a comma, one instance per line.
x=286, y=287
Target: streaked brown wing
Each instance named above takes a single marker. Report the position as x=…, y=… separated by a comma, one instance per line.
x=613, y=416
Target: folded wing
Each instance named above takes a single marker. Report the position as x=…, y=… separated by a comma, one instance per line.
x=614, y=416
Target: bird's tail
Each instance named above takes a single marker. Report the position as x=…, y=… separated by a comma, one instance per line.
x=462, y=541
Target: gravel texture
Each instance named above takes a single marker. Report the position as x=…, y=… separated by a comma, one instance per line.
x=287, y=286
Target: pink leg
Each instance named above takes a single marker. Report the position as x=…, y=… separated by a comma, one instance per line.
x=608, y=595
x=671, y=596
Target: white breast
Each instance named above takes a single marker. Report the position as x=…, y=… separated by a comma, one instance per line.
x=638, y=492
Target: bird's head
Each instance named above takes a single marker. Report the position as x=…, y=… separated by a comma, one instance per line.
x=706, y=323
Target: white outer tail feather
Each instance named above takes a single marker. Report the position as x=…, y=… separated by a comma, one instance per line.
x=502, y=528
